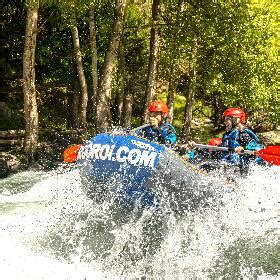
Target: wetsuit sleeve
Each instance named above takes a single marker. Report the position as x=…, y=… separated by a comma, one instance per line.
x=167, y=134
x=139, y=132
x=171, y=138
x=249, y=140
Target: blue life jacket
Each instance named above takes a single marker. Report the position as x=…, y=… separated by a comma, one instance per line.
x=235, y=138
x=164, y=134
x=191, y=154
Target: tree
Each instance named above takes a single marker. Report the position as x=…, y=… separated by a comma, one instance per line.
x=191, y=87
x=153, y=60
x=235, y=64
x=29, y=89
x=83, y=100
x=121, y=92
x=94, y=59
x=103, y=113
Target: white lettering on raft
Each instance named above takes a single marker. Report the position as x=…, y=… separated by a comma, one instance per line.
x=122, y=154
x=143, y=145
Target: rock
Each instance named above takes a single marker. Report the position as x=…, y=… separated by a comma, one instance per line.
x=4, y=169
x=11, y=162
x=270, y=137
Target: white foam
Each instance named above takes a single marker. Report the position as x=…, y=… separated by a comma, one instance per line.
x=189, y=248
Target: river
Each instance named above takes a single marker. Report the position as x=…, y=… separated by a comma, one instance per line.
x=50, y=230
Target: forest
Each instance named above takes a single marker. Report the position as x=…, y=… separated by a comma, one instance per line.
x=93, y=65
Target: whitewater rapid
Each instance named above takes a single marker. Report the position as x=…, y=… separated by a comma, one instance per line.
x=50, y=230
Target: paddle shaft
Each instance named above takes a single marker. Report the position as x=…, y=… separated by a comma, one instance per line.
x=140, y=127
x=270, y=154
x=224, y=149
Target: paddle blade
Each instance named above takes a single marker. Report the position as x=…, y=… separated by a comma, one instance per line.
x=71, y=154
x=270, y=154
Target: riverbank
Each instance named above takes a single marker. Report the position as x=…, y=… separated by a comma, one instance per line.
x=49, y=152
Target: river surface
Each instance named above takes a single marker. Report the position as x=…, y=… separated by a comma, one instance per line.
x=50, y=230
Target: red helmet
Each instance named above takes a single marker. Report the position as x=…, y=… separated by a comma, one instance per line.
x=215, y=142
x=235, y=113
x=157, y=106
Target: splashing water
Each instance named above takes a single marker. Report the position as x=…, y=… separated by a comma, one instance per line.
x=50, y=230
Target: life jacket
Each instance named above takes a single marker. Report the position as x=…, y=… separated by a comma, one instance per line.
x=245, y=138
x=164, y=134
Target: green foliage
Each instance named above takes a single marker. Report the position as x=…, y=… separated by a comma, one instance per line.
x=135, y=45
x=11, y=43
x=237, y=55
x=51, y=119
x=14, y=120
x=242, y=66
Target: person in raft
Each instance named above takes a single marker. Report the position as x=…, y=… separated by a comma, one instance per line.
x=238, y=138
x=207, y=159
x=159, y=130
x=201, y=154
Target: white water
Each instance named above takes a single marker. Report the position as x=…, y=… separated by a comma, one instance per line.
x=50, y=230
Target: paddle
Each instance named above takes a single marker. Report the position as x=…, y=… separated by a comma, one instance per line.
x=71, y=153
x=270, y=154
x=140, y=127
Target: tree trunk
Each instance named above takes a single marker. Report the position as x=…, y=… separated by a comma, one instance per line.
x=121, y=93
x=154, y=50
x=127, y=110
x=120, y=102
x=103, y=116
x=94, y=70
x=29, y=90
x=170, y=102
x=171, y=95
x=82, y=121
x=190, y=93
x=218, y=106
x=75, y=105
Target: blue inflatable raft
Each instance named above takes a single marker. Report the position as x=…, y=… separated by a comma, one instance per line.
x=134, y=172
